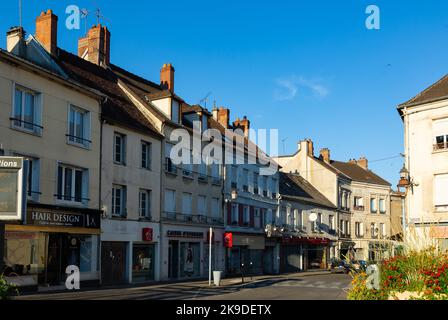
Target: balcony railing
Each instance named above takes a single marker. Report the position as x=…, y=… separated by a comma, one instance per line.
x=192, y=218
x=440, y=146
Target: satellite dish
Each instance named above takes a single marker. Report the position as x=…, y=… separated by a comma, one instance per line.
x=312, y=217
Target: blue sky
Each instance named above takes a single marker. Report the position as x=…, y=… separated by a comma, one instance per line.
x=309, y=68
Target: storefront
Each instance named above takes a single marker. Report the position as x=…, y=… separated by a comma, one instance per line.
x=302, y=253
x=129, y=252
x=38, y=251
x=246, y=254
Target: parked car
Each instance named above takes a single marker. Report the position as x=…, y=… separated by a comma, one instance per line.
x=339, y=266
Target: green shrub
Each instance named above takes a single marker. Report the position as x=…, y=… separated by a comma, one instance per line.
x=6, y=289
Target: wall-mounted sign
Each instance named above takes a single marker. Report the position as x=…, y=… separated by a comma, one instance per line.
x=184, y=234
x=147, y=234
x=228, y=239
x=52, y=217
x=12, y=188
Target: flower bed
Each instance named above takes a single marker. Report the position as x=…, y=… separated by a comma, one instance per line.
x=415, y=276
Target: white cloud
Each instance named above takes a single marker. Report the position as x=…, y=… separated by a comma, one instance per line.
x=290, y=87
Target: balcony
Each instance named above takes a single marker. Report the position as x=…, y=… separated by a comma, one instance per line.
x=191, y=218
x=443, y=146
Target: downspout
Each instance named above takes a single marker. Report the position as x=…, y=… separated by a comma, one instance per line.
x=100, y=202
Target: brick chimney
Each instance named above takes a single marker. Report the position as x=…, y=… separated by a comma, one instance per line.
x=167, y=77
x=95, y=47
x=223, y=117
x=310, y=147
x=243, y=124
x=47, y=31
x=15, y=41
x=325, y=155
x=363, y=163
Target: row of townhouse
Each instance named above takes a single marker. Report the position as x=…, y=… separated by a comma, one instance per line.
x=359, y=200
x=104, y=192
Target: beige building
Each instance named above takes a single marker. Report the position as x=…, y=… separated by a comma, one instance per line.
x=361, y=196
x=52, y=121
x=397, y=211
x=425, y=119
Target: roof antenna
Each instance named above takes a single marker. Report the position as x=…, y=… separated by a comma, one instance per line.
x=84, y=14
x=283, y=142
x=204, y=100
x=20, y=13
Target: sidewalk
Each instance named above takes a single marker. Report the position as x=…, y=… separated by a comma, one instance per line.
x=233, y=283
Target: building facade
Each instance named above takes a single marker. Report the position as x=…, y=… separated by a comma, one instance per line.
x=425, y=119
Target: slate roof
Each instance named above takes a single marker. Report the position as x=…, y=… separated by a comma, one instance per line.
x=437, y=91
x=118, y=108
x=357, y=173
x=296, y=188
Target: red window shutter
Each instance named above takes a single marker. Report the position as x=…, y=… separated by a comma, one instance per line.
x=229, y=214
x=252, y=217
x=240, y=215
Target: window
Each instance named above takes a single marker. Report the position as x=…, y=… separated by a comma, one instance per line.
x=347, y=227
x=343, y=200
x=175, y=111
x=170, y=201
x=359, y=203
x=373, y=230
x=146, y=155
x=202, y=205
x=119, y=201
x=145, y=204
x=264, y=185
x=373, y=208
x=234, y=177
x=78, y=127
x=215, y=208
x=72, y=184
x=120, y=148
x=245, y=215
x=289, y=216
x=169, y=166
x=187, y=199
x=298, y=219
x=315, y=225
x=269, y=218
x=382, y=203
x=245, y=180
x=274, y=188
x=440, y=128
x=359, y=229
x=234, y=213
x=342, y=223
x=26, y=114
x=256, y=176
x=187, y=168
x=441, y=191
x=202, y=171
x=257, y=218
x=331, y=222
x=216, y=175
x=383, y=230
x=33, y=186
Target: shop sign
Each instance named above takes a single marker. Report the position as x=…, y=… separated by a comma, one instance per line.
x=147, y=234
x=228, y=239
x=12, y=188
x=58, y=218
x=184, y=234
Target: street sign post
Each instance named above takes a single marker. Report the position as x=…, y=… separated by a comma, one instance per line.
x=13, y=172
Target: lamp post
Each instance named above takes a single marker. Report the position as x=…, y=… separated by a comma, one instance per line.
x=407, y=183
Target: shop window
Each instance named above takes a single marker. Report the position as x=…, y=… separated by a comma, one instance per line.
x=190, y=262
x=142, y=263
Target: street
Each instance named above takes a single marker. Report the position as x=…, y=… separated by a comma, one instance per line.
x=295, y=287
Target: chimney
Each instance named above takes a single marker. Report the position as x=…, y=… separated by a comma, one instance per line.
x=223, y=117
x=95, y=47
x=47, y=31
x=243, y=124
x=310, y=147
x=363, y=163
x=215, y=113
x=325, y=155
x=14, y=40
x=167, y=77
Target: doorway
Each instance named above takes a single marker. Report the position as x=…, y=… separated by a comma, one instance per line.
x=113, y=262
x=173, y=259
x=63, y=250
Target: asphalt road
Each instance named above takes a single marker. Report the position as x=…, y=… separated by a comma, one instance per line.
x=311, y=287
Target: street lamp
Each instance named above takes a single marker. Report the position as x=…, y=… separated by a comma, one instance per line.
x=407, y=183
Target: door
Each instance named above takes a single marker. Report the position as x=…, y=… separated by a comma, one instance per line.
x=113, y=262
x=54, y=259
x=173, y=259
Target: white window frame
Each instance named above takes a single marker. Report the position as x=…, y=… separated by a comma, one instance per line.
x=246, y=215
x=187, y=205
x=148, y=158
x=122, y=160
x=146, y=210
x=37, y=110
x=71, y=199
x=374, y=209
x=86, y=136
x=170, y=203
x=202, y=199
x=123, y=201
x=384, y=209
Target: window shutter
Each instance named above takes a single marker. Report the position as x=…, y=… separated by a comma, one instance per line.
x=38, y=113
x=440, y=127
x=85, y=186
x=441, y=190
